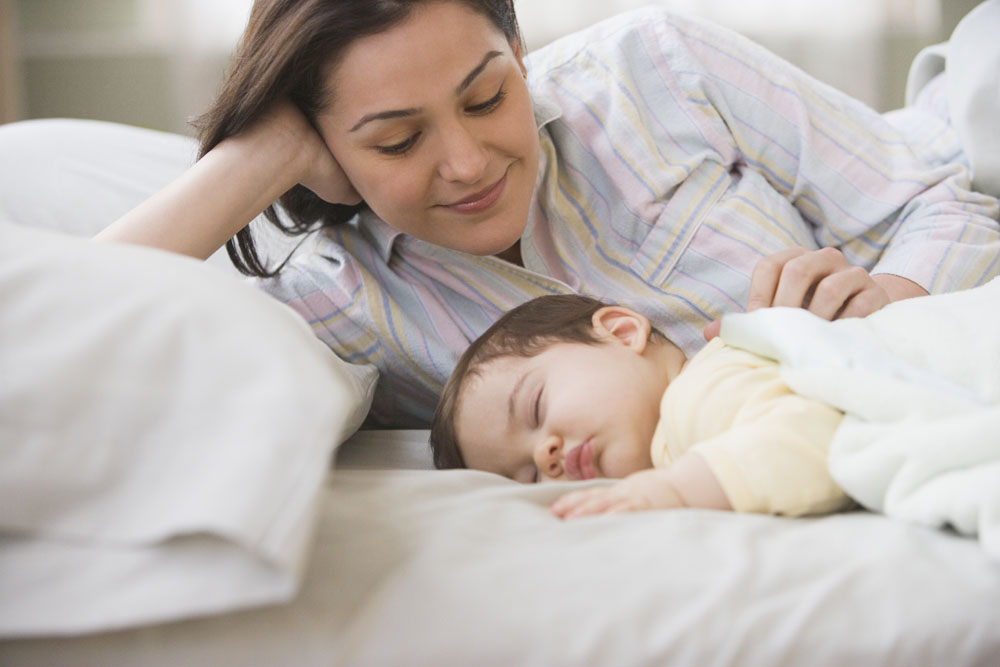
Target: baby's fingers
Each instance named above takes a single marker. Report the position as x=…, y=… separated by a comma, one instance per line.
x=578, y=503
x=587, y=503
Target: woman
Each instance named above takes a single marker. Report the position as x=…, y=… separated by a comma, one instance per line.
x=655, y=161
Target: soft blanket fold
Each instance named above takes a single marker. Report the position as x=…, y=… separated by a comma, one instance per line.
x=919, y=383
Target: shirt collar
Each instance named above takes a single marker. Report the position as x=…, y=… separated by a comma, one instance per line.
x=546, y=109
x=379, y=233
x=383, y=237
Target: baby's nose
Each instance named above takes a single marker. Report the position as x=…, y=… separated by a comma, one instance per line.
x=548, y=457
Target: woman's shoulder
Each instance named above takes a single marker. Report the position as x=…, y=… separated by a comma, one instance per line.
x=651, y=34
x=635, y=53
x=609, y=33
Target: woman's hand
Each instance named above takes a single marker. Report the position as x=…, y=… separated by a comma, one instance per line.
x=317, y=169
x=231, y=184
x=821, y=281
x=824, y=283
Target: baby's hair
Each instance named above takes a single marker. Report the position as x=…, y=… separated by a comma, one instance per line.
x=524, y=331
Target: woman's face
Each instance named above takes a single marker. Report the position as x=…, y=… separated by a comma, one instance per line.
x=432, y=122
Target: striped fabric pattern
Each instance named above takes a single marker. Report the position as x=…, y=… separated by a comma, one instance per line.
x=674, y=155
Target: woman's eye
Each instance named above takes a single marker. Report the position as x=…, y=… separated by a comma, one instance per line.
x=401, y=147
x=489, y=105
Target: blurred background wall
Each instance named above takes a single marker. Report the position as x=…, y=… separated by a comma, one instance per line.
x=157, y=63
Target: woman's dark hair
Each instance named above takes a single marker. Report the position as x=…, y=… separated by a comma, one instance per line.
x=285, y=52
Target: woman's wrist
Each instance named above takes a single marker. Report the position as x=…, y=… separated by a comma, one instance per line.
x=898, y=287
x=278, y=146
x=213, y=199
x=287, y=144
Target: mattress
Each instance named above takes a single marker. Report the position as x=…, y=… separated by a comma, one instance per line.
x=411, y=566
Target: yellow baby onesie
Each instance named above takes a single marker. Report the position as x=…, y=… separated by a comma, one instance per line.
x=766, y=445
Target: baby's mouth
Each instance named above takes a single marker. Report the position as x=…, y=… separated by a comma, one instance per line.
x=579, y=462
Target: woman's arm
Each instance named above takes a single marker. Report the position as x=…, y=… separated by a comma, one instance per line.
x=231, y=184
x=886, y=197
x=823, y=282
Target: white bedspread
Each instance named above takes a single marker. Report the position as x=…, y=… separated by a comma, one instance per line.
x=919, y=383
x=460, y=568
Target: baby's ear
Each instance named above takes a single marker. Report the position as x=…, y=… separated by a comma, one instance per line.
x=623, y=325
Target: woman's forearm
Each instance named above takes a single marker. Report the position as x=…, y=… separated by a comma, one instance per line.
x=231, y=184
x=214, y=199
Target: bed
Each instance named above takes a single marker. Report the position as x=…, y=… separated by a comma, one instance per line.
x=411, y=566
x=263, y=527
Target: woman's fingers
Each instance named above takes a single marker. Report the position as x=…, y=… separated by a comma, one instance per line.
x=850, y=292
x=328, y=181
x=822, y=281
x=801, y=276
x=866, y=302
x=322, y=173
x=766, y=276
x=712, y=329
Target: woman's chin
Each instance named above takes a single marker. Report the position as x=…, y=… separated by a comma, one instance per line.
x=497, y=247
x=508, y=251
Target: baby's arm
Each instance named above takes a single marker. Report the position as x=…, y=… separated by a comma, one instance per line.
x=688, y=482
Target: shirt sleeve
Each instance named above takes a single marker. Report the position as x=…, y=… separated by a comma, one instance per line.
x=766, y=445
x=892, y=199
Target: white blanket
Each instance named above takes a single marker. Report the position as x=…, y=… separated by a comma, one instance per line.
x=919, y=383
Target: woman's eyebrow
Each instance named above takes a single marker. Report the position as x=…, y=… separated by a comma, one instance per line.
x=403, y=113
x=477, y=70
x=384, y=115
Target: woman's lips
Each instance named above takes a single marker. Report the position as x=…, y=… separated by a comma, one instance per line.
x=481, y=200
x=579, y=462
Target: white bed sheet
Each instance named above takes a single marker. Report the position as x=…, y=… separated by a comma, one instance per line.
x=419, y=567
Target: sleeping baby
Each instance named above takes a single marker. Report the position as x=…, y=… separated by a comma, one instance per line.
x=784, y=413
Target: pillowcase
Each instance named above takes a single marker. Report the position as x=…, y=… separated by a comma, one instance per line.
x=75, y=176
x=164, y=431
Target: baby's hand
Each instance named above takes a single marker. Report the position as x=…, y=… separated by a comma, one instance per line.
x=643, y=490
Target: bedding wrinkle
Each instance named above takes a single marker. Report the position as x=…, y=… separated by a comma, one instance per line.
x=413, y=567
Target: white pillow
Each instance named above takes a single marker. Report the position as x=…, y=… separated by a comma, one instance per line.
x=76, y=176
x=164, y=431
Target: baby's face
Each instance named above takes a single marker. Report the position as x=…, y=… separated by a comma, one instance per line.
x=572, y=412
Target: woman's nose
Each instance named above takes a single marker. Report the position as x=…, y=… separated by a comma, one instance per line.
x=463, y=157
x=548, y=456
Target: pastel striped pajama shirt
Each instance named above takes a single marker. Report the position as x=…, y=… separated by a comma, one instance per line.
x=674, y=156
